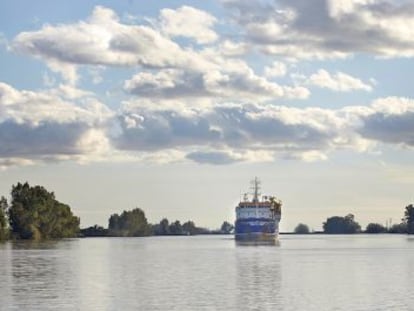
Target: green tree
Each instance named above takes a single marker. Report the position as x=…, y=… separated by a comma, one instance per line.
x=94, y=231
x=226, y=227
x=375, y=228
x=302, y=229
x=341, y=225
x=409, y=218
x=176, y=228
x=129, y=223
x=164, y=226
x=34, y=213
x=398, y=228
x=3, y=219
x=189, y=228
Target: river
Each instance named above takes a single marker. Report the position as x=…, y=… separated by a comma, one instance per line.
x=304, y=272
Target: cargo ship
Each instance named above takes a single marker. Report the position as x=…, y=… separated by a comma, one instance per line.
x=257, y=216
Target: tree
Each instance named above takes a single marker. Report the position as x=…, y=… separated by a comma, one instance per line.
x=176, y=228
x=189, y=228
x=409, y=218
x=129, y=223
x=226, y=227
x=341, y=225
x=302, y=229
x=398, y=228
x=3, y=219
x=94, y=231
x=164, y=227
x=375, y=228
x=34, y=213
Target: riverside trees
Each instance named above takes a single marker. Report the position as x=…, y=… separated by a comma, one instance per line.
x=375, y=228
x=3, y=220
x=301, y=229
x=341, y=225
x=409, y=218
x=129, y=223
x=34, y=213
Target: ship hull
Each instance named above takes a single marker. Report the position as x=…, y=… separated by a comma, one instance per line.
x=256, y=229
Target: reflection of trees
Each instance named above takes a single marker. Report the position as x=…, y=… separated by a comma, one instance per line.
x=41, y=274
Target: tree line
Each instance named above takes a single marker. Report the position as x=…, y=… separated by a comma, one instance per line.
x=34, y=213
x=348, y=225
x=134, y=223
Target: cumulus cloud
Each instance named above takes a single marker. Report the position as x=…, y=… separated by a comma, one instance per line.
x=277, y=69
x=189, y=22
x=324, y=29
x=240, y=128
x=101, y=40
x=229, y=133
x=221, y=82
x=167, y=69
x=232, y=48
x=196, y=95
x=389, y=120
x=44, y=125
x=339, y=81
x=51, y=126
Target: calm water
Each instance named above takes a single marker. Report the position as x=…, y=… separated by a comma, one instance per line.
x=209, y=273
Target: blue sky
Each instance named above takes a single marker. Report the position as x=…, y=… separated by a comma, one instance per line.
x=174, y=106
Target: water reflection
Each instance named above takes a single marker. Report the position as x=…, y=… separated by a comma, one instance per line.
x=39, y=273
x=273, y=242
x=94, y=272
x=208, y=273
x=259, y=277
x=5, y=276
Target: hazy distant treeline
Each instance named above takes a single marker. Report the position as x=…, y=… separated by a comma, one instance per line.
x=348, y=225
x=134, y=223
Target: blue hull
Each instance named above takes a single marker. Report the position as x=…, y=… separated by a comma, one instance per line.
x=256, y=229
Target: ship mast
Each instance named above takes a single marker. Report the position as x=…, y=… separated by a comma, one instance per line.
x=256, y=189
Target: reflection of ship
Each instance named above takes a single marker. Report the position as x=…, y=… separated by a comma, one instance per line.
x=257, y=219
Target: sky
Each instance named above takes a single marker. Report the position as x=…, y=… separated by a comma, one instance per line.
x=174, y=106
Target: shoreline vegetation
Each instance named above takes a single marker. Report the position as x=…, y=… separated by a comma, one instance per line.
x=35, y=214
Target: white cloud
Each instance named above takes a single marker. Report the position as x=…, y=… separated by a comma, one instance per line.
x=14, y=162
x=101, y=40
x=48, y=80
x=389, y=120
x=239, y=128
x=45, y=126
x=339, y=81
x=228, y=133
x=68, y=124
x=70, y=92
x=308, y=156
x=165, y=68
x=277, y=69
x=326, y=29
x=339, y=8
x=189, y=22
x=232, y=48
x=232, y=82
